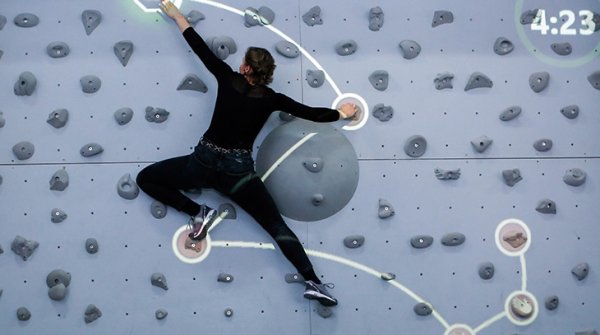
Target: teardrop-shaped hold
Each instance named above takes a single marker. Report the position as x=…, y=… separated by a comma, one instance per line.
x=315, y=78
x=158, y=209
x=159, y=280
x=224, y=278
x=443, y=81
x=478, y=80
x=287, y=49
x=156, y=115
x=123, y=115
x=580, y=271
x=58, y=215
x=127, y=188
x=510, y=113
x=90, y=84
x=123, y=50
x=529, y=16
x=453, y=239
x=380, y=80
x=410, y=49
x=562, y=49
x=511, y=177
x=503, y=46
x=415, y=146
x=423, y=309
x=346, y=47
x=442, y=17
x=26, y=20
x=58, y=50
x=23, y=150
x=227, y=211
x=486, y=271
x=192, y=82
x=58, y=118
x=354, y=241
x=313, y=16
x=570, y=112
x=91, y=20
x=421, y=241
x=594, y=78
x=314, y=164
x=551, y=302
x=574, y=177
x=546, y=206
x=375, y=18
x=385, y=209
x=60, y=180
x=538, y=81
x=481, y=143
x=194, y=17
x=26, y=84
x=543, y=145
x=91, y=246
x=91, y=149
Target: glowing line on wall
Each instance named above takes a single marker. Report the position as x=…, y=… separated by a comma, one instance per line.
x=524, y=273
x=489, y=322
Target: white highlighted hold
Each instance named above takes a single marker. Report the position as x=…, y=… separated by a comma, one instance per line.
x=521, y=308
x=459, y=329
x=153, y=6
x=361, y=104
x=187, y=250
x=513, y=237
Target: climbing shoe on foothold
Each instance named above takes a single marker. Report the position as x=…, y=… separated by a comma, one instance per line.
x=319, y=292
x=201, y=223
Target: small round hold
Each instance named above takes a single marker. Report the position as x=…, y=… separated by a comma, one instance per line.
x=91, y=149
x=346, y=47
x=161, y=314
x=421, y=241
x=23, y=314
x=415, y=146
x=123, y=115
x=503, y=46
x=546, y=206
x=228, y=312
x=410, y=49
x=91, y=245
x=58, y=277
x=317, y=199
x=580, y=271
x=23, y=150
x=486, y=271
x=90, y=84
x=551, y=302
x=423, y=309
x=225, y=278
x=574, y=177
x=539, y=81
x=543, y=145
x=354, y=241
x=57, y=50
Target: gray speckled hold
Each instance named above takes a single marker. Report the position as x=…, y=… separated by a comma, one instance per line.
x=478, y=80
x=421, y=241
x=551, y=302
x=261, y=17
x=387, y=276
x=574, y=177
x=580, y=271
x=58, y=49
x=159, y=280
x=160, y=314
x=443, y=81
x=587, y=332
x=294, y=278
x=286, y=117
x=57, y=292
x=287, y=49
x=123, y=115
x=423, y=309
x=57, y=215
x=194, y=17
x=481, y=143
x=91, y=20
x=314, y=164
x=23, y=314
x=227, y=211
x=562, y=49
x=156, y=115
x=123, y=50
x=92, y=313
x=442, y=17
x=453, y=239
x=58, y=276
x=313, y=16
x=354, y=241
x=503, y=46
x=23, y=247
x=570, y=112
x=158, y=209
x=192, y=82
x=594, y=78
x=486, y=271
x=225, y=278
x=415, y=146
x=511, y=177
x=23, y=150
x=385, y=209
x=222, y=46
x=510, y=113
x=542, y=145
x=91, y=246
x=315, y=78
x=26, y=20
x=447, y=174
x=91, y=149
x=538, y=81
x=375, y=18
x=1, y=252
x=528, y=16
x=2, y=120
x=379, y=80
x=228, y=312
x=546, y=206
x=90, y=84
x=58, y=118
x=383, y=113
x=60, y=180
x=127, y=188
x=26, y=84
x=346, y=47
x=410, y=49
x=3, y=21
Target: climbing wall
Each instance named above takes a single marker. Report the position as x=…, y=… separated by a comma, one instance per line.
x=462, y=201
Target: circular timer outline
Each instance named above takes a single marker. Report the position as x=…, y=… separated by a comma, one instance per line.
x=449, y=329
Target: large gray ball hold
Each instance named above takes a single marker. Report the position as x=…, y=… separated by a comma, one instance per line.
x=58, y=276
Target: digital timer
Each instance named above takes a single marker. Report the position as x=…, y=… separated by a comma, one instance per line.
x=589, y=22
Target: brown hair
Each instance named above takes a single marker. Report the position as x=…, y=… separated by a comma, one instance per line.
x=262, y=64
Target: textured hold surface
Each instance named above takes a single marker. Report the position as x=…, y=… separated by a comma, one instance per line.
x=478, y=80
x=551, y=302
x=91, y=246
x=546, y=206
x=222, y=46
x=354, y=241
x=324, y=312
x=385, y=209
x=294, y=278
x=57, y=215
x=383, y=113
x=127, y=188
x=522, y=306
x=2, y=120
x=542, y=145
x=58, y=276
x=23, y=150
x=90, y=84
x=375, y=18
x=421, y=241
x=453, y=239
x=192, y=82
x=423, y=309
x=410, y=49
x=123, y=115
x=287, y=49
x=23, y=247
x=313, y=16
x=574, y=177
x=26, y=20
x=225, y=278
x=158, y=209
x=159, y=280
x=511, y=177
x=3, y=21
x=563, y=49
x=58, y=118
x=503, y=46
x=123, y=50
x=91, y=20
x=23, y=314
x=58, y=49
x=481, y=143
x=580, y=271
x=346, y=47
x=91, y=149
x=528, y=16
x=443, y=81
x=538, y=81
x=161, y=314
x=156, y=115
x=263, y=16
x=57, y=292
x=92, y=313
x=415, y=146
x=442, y=17
x=26, y=84
x=227, y=211
x=315, y=78
x=380, y=80
x=60, y=180
x=194, y=17
x=594, y=78
x=447, y=174
x=510, y=113
x=570, y=112
x=486, y=271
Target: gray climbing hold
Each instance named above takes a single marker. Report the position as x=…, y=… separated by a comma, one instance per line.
x=574, y=177
x=225, y=278
x=26, y=84
x=421, y=241
x=481, y=143
x=317, y=199
x=90, y=84
x=156, y=115
x=1, y=252
x=2, y=120
x=227, y=211
x=354, y=241
x=313, y=16
x=294, y=278
x=23, y=314
x=551, y=302
x=385, y=209
x=443, y=81
x=91, y=20
x=387, y=276
x=2, y=21
x=423, y=309
x=23, y=150
x=447, y=174
x=286, y=117
x=415, y=146
x=123, y=50
x=587, y=332
x=580, y=271
x=159, y=280
x=1, y=53
x=92, y=313
x=313, y=164
x=546, y=206
x=514, y=239
x=58, y=118
x=158, y=209
x=511, y=177
x=228, y=312
x=542, y=145
x=160, y=314
x=194, y=17
x=57, y=277
x=521, y=306
x=570, y=112
x=529, y=16
x=26, y=20
x=91, y=149
x=379, y=79
x=375, y=18
x=258, y=17
x=346, y=47
x=23, y=247
x=127, y=188
x=478, y=80
x=315, y=78
x=192, y=82
x=58, y=215
x=594, y=78
x=562, y=49
x=60, y=180
x=123, y=115
x=57, y=292
x=91, y=245
x=410, y=49
x=503, y=46
x=222, y=46
x=324, y=312
x=510, y=113
x=486, y=271
x=287, y=49
x=58, y=49
x=538, y=81
x=442, y=17
x=383, y=113
x=453, y=239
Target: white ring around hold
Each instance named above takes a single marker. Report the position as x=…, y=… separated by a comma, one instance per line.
x=181, y=256
x=362, y=105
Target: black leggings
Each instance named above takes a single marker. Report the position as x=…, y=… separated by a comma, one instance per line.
x=232, y=174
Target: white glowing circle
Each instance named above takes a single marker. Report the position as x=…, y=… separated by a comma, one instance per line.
x=182, y=257
x=143, y=7
x=362, y=105
x=459, y=329
x=516, y=319
x=518, y=223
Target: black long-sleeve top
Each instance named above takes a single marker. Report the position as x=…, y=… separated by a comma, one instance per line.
x=241, y=109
